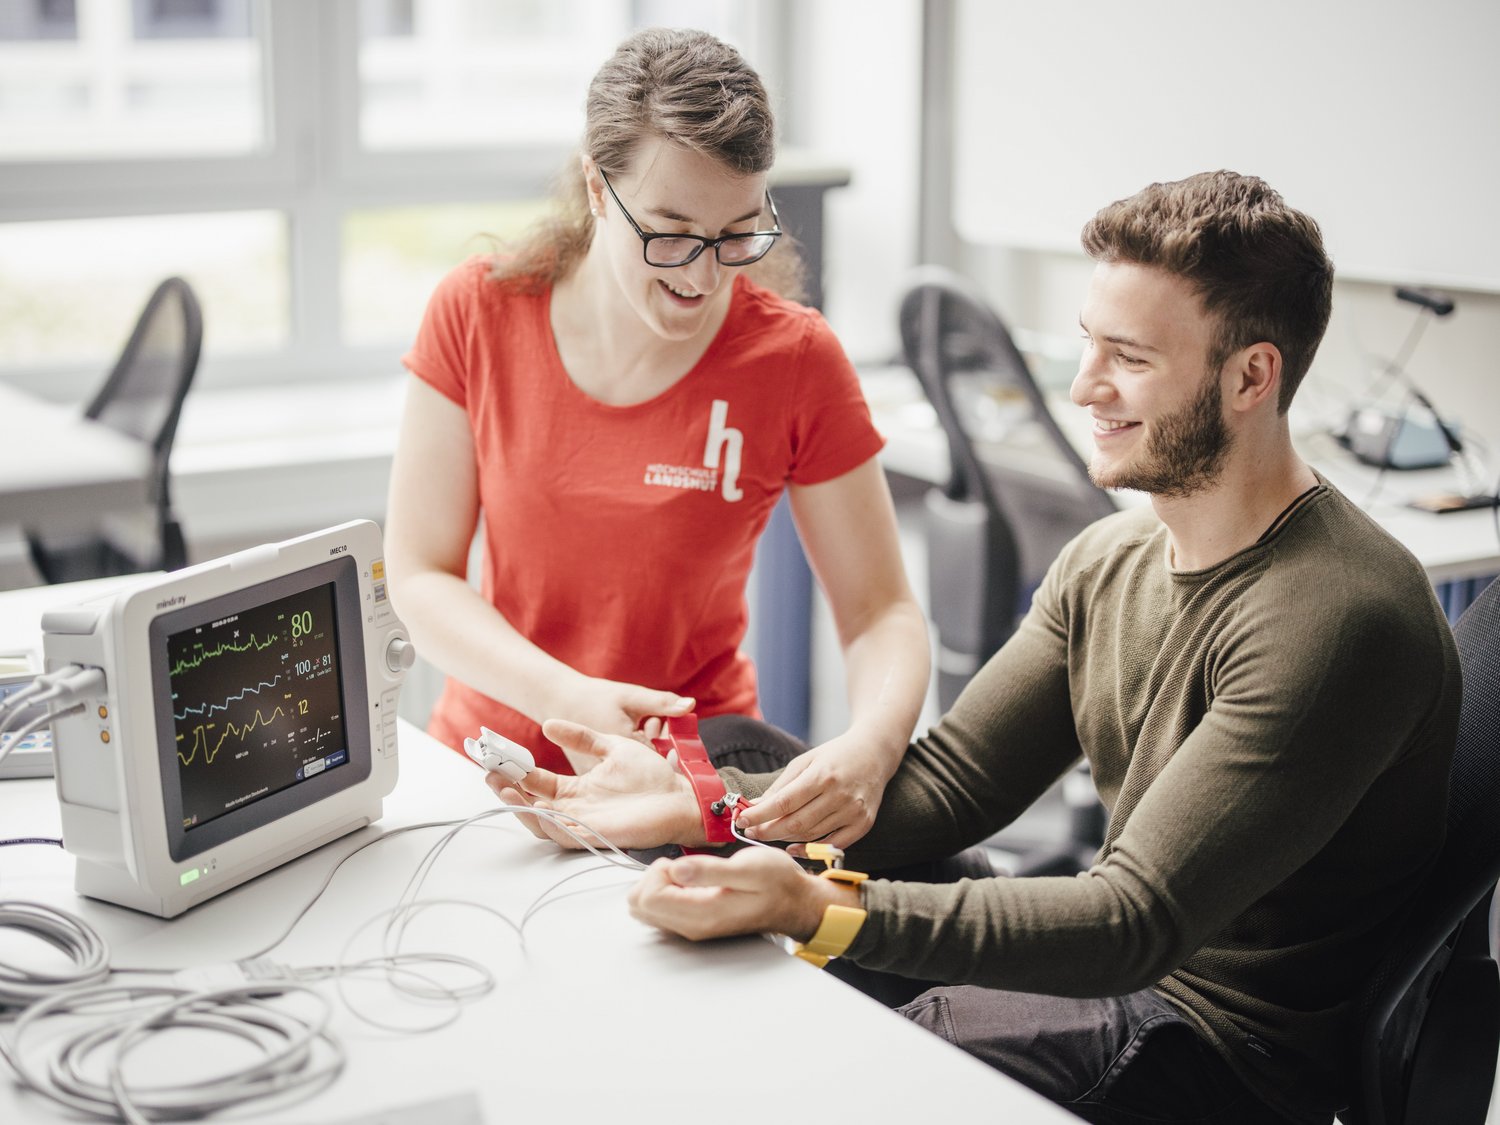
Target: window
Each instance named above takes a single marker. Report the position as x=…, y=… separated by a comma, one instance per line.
x=70, y=291
x=311, y=168
x=80, y=81
x=393, y=257
x=507, y=72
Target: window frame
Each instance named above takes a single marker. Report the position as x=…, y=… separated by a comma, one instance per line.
x=312, y=171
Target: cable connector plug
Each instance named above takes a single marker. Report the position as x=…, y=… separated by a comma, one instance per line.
x=80, y=682
x=228, y=974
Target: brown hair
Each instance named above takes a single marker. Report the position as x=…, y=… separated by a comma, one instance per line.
x=687, y=88
x=1257, y=264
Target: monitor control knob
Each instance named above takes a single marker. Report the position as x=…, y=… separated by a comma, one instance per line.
x=400, y=654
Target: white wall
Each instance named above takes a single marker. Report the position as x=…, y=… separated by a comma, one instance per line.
x=857, y=77
x=1379, y=117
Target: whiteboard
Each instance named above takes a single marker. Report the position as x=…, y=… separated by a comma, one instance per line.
x=1379, y=118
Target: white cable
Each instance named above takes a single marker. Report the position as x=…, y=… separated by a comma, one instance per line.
x=65, y=684
x=72, y=935
x=299, y=1056
x=79, y=681
x=24, y=698
x=14, y=703
x=734, y=830
x=395, y=960
x=548, y=897
x=397, y=967
x=16, y=738
x=409, y=906
x=414, y=885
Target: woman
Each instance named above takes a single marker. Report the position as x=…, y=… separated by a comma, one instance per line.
x=624, y=404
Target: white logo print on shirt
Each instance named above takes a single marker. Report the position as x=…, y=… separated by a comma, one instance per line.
x=722, y=439
x=730, y=440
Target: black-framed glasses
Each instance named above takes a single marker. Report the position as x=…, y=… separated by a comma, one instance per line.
x=671, y=250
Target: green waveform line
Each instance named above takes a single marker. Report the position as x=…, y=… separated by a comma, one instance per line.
x=184, y=664
x=200, y=736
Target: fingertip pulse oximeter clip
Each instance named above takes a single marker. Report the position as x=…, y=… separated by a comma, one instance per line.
x=498, y=754
x=683, y=749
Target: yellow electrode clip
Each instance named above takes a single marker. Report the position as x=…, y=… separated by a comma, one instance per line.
x=830, y=855
x=840, y=923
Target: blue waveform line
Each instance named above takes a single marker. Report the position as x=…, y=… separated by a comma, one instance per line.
x=206, y=710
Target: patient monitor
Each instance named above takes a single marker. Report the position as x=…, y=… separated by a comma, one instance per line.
x=248, y=715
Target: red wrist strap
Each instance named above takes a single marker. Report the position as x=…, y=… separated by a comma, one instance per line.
x=680, y=745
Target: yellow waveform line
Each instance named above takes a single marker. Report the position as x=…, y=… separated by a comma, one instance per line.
x=220, y=651
x=200, y=737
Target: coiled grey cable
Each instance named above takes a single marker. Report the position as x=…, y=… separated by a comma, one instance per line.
x=73, y=936
x=299, y=1056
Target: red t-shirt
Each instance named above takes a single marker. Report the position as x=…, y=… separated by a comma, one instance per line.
x=619, y=538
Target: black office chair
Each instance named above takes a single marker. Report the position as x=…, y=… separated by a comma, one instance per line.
x=1429, y=1018
x=1017, y=491
x=142, y=398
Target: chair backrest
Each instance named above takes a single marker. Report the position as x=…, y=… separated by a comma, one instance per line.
x=1005, y=446
x=142, y=397
x=1016, y=491
x=144, y=392
x=1429, y=1020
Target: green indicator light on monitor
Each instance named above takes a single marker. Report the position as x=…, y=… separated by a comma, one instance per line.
x=189, y=875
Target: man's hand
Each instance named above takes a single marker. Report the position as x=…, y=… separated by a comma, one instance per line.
x=831, y=793
x=753, y=891
x=632, y=797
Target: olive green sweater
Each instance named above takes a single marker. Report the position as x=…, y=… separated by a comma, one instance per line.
x=1271, y=737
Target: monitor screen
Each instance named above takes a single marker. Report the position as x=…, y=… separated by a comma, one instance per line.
x=252, y=720
x=256, y=703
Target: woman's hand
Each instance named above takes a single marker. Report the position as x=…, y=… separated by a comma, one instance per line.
x=831, y=793
x=753, y=891
x=631, y=797
x=613, y=707
x=848, y=528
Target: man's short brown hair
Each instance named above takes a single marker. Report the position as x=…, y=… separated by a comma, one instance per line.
x=1257, y=264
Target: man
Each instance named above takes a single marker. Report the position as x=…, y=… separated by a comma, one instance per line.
x=1259, y=677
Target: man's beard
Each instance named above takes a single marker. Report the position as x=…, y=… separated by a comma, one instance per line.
x=1184, y=452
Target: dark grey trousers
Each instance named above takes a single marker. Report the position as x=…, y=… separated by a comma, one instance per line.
x=1119, y=1060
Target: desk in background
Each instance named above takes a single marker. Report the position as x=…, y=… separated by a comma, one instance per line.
x=60, y=471
x=1459, y=550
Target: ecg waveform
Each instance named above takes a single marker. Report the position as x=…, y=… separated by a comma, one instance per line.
x=201, y=736
x=207, y=710
x=208, y=654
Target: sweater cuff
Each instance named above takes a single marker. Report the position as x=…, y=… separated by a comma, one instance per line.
x=875, y=897
x=747, y=785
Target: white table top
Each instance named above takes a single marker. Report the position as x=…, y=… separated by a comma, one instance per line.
x=60, y=470
x=596, y=1014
